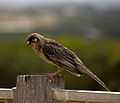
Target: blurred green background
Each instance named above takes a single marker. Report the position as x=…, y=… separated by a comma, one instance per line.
x=93, y=33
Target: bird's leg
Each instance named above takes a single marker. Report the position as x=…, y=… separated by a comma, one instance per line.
x=51, y=76
x=57, y=72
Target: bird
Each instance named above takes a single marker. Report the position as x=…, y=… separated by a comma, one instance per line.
x=51, y=51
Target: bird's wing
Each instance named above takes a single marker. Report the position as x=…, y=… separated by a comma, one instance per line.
x=66, y=59
x=61, y=56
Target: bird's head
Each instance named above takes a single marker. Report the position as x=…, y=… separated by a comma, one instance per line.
x=35, y=40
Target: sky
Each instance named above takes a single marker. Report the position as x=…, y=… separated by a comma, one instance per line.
x=43, y=2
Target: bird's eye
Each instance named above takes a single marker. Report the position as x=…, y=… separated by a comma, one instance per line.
x=35, y=40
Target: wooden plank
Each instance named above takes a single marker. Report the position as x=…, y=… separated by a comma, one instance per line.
x=87, y=96
x=6, y=93
x=14, y=95
x=36, y=88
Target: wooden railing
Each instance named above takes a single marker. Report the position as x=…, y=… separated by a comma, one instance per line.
x=6, y=95
x=86, y=96
x=39, y=89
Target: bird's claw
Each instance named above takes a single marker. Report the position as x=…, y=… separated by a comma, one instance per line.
x=53, y=76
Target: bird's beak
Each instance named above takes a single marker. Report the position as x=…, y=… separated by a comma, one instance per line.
x=27, y=43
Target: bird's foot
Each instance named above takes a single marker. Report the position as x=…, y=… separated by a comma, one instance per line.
x=53, y=76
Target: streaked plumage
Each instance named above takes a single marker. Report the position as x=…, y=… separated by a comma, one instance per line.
x=55, y=53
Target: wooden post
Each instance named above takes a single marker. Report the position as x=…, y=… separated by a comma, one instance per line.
x=37, y=88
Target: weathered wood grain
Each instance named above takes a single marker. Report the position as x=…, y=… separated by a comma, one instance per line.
x=87, y=96
x=36, y=88
x=6, y=93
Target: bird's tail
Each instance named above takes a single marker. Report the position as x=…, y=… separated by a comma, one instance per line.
x=85, y=70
